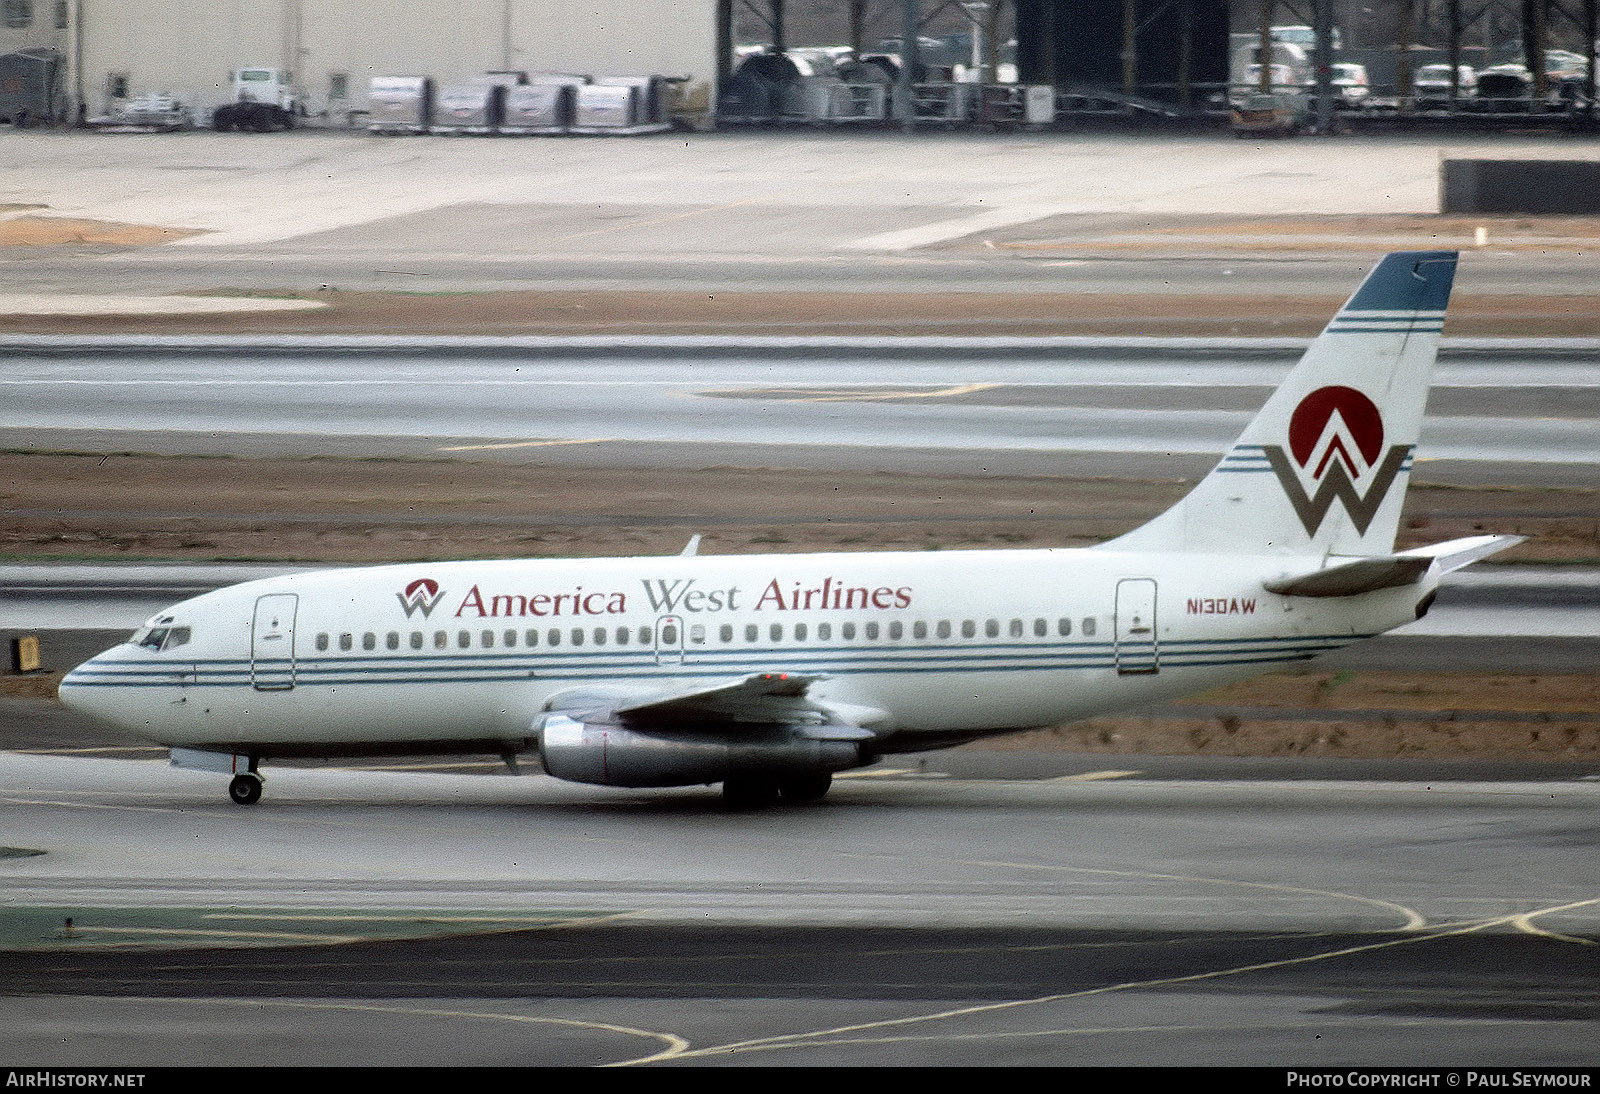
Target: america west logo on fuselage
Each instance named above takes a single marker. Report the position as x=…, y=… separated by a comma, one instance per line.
x=420, y=596
x=1336, y=435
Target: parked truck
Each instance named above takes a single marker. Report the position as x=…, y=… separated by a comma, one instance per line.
x=263, y=102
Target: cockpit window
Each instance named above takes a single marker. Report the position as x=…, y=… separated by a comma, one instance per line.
x=160, y=638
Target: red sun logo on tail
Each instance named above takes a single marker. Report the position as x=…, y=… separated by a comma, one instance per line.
x=1336, y=433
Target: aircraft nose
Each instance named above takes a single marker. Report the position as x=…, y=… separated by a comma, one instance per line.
x=78, y=691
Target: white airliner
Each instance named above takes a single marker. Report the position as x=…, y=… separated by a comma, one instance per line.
x=769, y=673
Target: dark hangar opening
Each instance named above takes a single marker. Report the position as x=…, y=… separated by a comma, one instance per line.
x=1180, y=46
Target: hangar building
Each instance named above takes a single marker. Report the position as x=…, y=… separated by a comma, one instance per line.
x=110, y=50
x=113, y=49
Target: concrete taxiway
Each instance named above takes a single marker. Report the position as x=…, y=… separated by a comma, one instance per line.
x=1081, y=914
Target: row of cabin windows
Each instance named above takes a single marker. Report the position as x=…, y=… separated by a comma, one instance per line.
x=697, y=634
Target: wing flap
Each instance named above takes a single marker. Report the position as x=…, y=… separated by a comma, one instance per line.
x=765, y=697
x=757, y=702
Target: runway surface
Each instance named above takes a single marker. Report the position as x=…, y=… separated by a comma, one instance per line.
x=1500, y=413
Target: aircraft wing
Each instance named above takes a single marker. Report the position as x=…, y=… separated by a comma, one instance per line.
x=1349, y=577
x=761, y=699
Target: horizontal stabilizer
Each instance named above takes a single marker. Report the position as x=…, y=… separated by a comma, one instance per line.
x=1365, y=575
x=1456, y=553
x=1362, y=575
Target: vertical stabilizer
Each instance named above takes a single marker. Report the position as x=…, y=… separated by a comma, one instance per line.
x=1324, y=466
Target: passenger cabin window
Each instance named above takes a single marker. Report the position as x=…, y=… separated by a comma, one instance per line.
x=1088, y=624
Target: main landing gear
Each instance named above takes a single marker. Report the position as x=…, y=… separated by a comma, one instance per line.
x=245, y=789
x=753, y=792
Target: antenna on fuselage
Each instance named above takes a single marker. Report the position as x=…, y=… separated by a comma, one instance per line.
x=692, y=548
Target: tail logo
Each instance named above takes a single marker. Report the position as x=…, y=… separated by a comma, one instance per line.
x=420, y=596
x=1336, y=450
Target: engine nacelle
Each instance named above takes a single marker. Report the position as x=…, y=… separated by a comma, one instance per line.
x=610, y=754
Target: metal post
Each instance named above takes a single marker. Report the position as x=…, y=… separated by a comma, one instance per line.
x=1533, y=29
x=1322, y=61
x=1130, y=46
x=1186, y=54
x=779, y=42
x=78, y=108
x=1591, y=36
x=991, y=42
x=1402, y=68
x=724, y=42
x=1264, y=48
x=1454, y=46
x=904, y=90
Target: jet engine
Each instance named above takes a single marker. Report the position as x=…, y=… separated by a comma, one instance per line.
x=603, y=750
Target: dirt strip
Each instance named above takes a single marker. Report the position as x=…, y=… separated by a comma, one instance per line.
x=117, y=506
x=824, y=313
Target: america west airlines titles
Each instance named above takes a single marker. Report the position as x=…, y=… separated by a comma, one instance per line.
x=664, y=596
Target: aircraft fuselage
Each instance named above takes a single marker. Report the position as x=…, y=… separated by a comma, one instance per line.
x=927, y=643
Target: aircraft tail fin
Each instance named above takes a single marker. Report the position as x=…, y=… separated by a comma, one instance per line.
x=1323, y=468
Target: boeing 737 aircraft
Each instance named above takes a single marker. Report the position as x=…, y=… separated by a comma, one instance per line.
x=770, y=673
